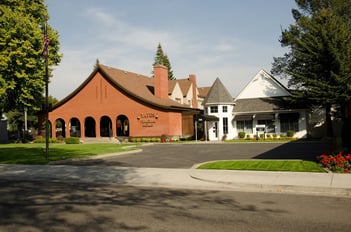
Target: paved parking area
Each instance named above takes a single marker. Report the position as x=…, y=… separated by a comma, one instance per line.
x=185, y=155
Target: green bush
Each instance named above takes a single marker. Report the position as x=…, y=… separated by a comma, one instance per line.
x=72, y=140
x=60, y=139
x=261, y=136
x=248, y=136
x=290, y=133
x=268, y=136
x=275, y=136
x=40, y=139
x=241, y=134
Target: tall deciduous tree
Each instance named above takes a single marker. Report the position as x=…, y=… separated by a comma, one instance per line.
x=161, y=58
x=318, y=64
x=22, y=71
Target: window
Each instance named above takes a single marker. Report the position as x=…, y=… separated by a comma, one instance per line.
x=289, y=124
x=289, y=121
x=270, y=128
x=214, y=109
x=245, y=126
x=225, y=126
x=224, y=109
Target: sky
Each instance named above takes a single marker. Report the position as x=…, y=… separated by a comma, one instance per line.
x=228, y=39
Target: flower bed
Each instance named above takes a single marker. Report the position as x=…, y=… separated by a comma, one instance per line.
x=336, y=161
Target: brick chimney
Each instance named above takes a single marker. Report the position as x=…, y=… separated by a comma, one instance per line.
x=161, y=81
x=192, y=78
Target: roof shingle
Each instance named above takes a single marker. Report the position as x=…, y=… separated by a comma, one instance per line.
x=218, y=94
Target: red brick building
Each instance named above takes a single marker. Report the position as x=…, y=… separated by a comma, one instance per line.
x=113, y=102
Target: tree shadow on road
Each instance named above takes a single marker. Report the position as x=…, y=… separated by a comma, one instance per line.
x=53, y=206
x=296, y=150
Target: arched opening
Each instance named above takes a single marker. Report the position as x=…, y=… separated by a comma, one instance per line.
x=105, y=127
x=75, y=127
x=122, y=125
x=90, y=127
x=60, y=128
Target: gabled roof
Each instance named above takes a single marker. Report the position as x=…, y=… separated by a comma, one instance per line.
x=184, y=85
x=218, y=94
x=263, y=85
x=134, y=85
x=203, y=91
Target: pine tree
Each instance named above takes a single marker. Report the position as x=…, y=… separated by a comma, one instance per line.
x=318, y=64
x=161, y=58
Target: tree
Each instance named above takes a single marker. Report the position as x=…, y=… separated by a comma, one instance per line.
x=161, y=58
x=22, y=71
x=16, y=119
x=318, y=64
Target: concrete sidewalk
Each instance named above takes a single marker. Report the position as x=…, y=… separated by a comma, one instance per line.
x=281, y=182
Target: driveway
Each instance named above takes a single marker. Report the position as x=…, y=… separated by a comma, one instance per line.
x=185, y=155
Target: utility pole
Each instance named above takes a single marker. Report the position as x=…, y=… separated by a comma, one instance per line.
x=46, y=78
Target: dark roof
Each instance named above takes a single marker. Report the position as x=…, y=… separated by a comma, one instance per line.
x=268, y=104
x=218, y=94
x=134, y=85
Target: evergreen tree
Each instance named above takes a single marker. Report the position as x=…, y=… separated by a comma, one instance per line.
x=161, y=58
x=169, y=68
x=318, y=64
x=22, y=68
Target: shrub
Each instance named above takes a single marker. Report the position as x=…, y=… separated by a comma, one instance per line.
x=72, y=140
x=40, y=139
x=241, y=134
x=261, y=136
x=268, y=136
x=60, y=139
x=290, y=133
x=248, y=136
x=275, y=136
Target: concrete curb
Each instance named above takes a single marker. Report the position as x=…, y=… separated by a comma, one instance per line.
x=96, y=156
x=272, y=182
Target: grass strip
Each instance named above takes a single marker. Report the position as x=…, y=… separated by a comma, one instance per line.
x=265, y=165
x=35, y=153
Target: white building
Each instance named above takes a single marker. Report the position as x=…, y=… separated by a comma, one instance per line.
x=260, y=108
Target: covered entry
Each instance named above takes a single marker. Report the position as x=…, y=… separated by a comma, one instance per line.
x=105, y=127
x=122, y=125
x=90, y=127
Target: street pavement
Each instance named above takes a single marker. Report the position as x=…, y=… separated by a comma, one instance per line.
x=185, y=155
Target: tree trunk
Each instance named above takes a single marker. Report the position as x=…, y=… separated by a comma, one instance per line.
x=346, y=125
x=328, y=122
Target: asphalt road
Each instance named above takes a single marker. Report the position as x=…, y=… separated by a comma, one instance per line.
x=185, y=155
x=54, y=206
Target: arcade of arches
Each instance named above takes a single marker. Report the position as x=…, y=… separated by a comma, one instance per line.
x=92, y=127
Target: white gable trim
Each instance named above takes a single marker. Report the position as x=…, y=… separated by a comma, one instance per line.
x=263, y=85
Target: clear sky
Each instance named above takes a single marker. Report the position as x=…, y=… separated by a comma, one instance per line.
x=229, y=39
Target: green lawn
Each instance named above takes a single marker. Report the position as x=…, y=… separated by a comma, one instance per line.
x=35, y=153
x=265, y=165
